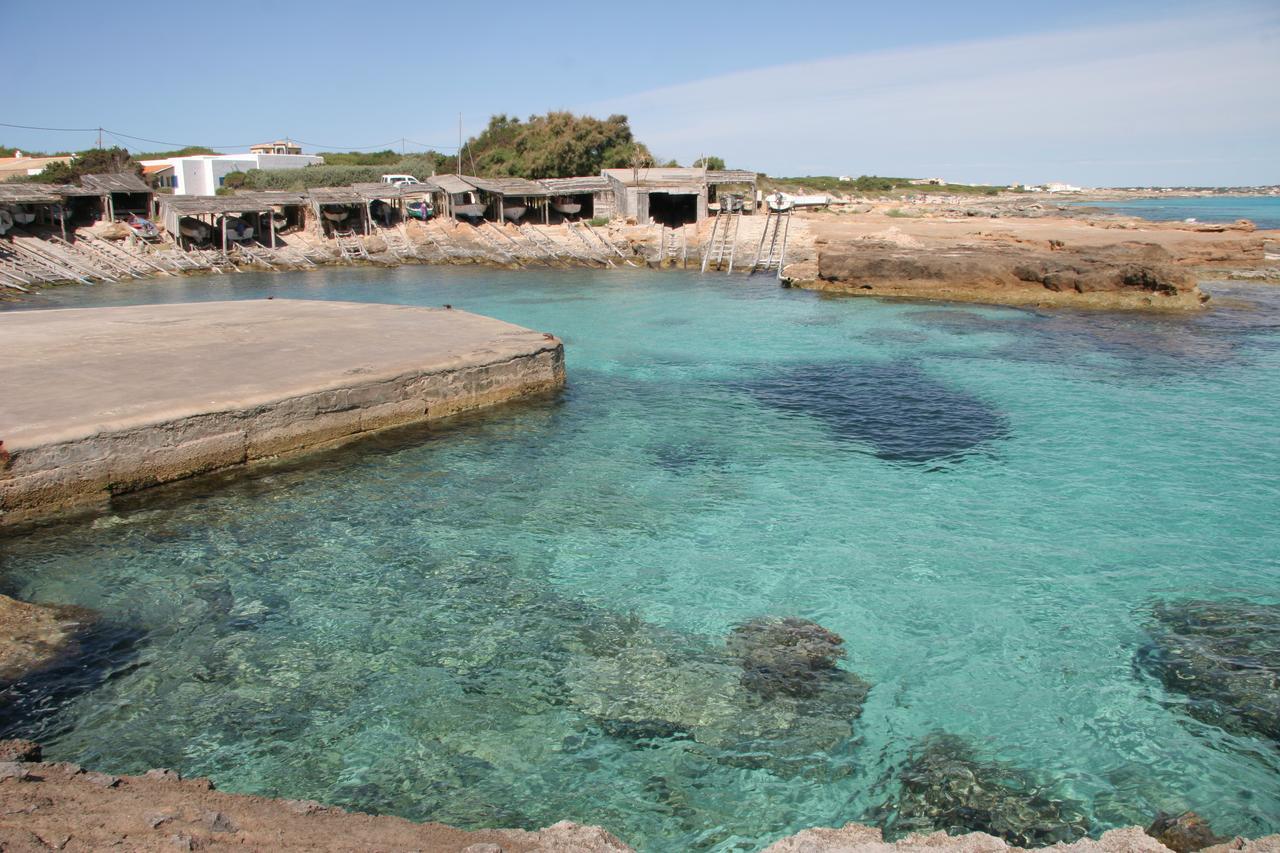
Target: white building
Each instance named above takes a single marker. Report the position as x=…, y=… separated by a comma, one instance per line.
x=202, y=174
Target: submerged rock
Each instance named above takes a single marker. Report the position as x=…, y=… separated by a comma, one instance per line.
x=772, y=697
x=945, y=786
x=897, y=408
x=785, y=655
x=1224, y=657
x=33, y=636
x=1184, y=833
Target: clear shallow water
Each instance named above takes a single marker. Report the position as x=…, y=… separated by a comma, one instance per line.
x=1263, y=211
x=983, y=502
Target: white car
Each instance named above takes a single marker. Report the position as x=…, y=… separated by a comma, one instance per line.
x=400, y=180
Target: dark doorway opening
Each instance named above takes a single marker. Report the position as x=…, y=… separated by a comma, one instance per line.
x=673, y=210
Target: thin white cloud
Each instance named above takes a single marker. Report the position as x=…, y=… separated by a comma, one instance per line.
x=1182, y=100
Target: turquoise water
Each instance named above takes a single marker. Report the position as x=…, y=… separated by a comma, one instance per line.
x=983, y=502
x=1263, y=211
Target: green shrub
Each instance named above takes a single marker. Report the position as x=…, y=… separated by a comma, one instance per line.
x=599, y=221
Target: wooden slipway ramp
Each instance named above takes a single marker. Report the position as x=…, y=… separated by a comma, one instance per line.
x=100, y=401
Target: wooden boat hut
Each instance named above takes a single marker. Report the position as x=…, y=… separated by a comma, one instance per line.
x=218, y=220
x=581, y=198
x=22, y=205
x=122, y=193
x=512, y=199
x=742, y=182
x=339, y=209
x=288, y=210
x=459, y=198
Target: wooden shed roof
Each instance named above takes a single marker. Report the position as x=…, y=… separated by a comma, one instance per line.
x=30, y=193
x=194, y=205
x=731, y=176
x=335, y=195
x=453, y=184
x=118, y=182
x=509, y=186
x=573, y=186
x=659, y=177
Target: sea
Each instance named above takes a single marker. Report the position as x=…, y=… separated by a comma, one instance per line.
x=1262, y=211
x=546, y=611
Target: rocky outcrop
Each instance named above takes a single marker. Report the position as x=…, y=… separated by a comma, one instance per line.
x=1130, y=275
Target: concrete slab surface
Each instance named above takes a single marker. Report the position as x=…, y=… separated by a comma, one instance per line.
x=97, y=401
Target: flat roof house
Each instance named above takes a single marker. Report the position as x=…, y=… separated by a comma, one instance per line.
x=672, y=196
x=202, y=174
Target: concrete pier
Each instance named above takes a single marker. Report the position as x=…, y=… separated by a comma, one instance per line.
x=101, y=401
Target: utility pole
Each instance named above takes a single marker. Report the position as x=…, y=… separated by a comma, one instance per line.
x=99, y=137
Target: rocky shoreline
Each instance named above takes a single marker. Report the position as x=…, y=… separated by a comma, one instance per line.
x=1001, y=252
x=778, y=681
x=61, y=806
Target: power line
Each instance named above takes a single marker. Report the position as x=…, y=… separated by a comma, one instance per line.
x=58, y=129
x=121, y=136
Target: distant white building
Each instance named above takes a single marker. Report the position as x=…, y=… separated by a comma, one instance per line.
x=202, y=174
x=1058, y=187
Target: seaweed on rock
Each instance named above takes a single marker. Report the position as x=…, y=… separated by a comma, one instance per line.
x=1224, y=657
x=946, y=787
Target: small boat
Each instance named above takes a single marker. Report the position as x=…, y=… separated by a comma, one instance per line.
x=238, y=229
x=279, y=221
x=421, y=210
x=566, y=205
x=470, y=211
x=144, y=228
x=22, y=216
x=193, y=230
x=514, y=212
x=468, y=205
x=335, y=215
x=6, y=220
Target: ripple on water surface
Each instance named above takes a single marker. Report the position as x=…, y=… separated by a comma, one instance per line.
x=530, y=615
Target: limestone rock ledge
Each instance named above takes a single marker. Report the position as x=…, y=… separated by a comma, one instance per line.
x=56, y=805
x=1122, y=276
x=856, y=838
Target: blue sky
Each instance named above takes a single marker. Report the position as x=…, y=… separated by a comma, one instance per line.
x=1090, y=92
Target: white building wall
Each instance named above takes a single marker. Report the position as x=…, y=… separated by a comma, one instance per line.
x=203, y=174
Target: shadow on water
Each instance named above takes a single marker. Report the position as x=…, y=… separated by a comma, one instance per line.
x=30, y=707
x=895, y=407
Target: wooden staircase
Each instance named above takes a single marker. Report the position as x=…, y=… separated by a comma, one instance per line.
x=771, y=253
x=722, y=245
x=350, y=246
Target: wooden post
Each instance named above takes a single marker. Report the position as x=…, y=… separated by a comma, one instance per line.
x=224, y=233
x=62, y=220
x=367, y=217
x=271, y=225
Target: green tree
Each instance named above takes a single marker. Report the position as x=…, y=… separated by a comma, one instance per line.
x=715, y=164
x=95, y=161
x=555, y=145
